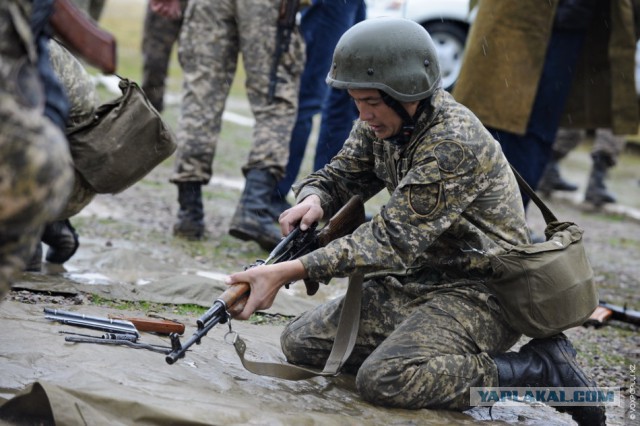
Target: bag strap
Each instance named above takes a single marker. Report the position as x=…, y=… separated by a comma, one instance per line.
x=547, y=214
x=343, y=344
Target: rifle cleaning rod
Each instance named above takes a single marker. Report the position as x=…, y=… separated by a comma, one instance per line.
x=102, y=324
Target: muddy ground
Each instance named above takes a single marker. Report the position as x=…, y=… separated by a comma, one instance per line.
x=126, y=239
x=126, y=244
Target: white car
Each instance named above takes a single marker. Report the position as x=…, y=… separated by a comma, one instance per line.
x=446, y=20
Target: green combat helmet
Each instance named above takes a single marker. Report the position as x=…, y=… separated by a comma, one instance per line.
x=394, y=55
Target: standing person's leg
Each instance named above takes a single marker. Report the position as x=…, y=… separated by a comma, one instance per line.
x=529, y=153
x=322, y=24
x=338, y=113
x=208, y=53
x=159, y=34
x=606, y=150
x=274, y=120
x=566, y=141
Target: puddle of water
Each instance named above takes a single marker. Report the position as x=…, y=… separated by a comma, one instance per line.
x=92, y=278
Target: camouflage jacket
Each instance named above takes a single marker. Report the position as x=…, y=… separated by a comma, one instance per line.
x=453, y=201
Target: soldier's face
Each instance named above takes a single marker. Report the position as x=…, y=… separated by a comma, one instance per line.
x=383, y=120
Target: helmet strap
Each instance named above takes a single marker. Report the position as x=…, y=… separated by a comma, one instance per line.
x=408, y=122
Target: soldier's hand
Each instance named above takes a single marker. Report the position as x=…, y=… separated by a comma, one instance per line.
x=305, y=214
x=265, y=281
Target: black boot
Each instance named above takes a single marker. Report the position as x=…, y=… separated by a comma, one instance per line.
x=190, y=224
x=62, y=240
x=551, y=179
x=252, y=220
x=549, y=362
x=597, y=193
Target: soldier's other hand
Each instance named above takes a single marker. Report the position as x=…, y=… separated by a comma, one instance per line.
x=305, y=214
x=168, y=8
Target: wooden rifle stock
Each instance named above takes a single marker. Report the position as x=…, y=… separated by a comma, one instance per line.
x=153, y=325
x=80, y=34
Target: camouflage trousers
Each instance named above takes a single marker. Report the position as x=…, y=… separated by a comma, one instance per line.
x=214, y=34
x=35, y=164
x=158, y=37
x=411, y=352
x=35, y=181
x=605, y=142
x=83, y=101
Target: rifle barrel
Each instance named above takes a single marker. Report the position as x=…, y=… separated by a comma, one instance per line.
x=179, y=349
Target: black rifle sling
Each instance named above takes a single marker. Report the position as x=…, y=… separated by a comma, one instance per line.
x=342, y=346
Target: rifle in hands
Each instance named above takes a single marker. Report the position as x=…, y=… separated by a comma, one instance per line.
x=294, y=245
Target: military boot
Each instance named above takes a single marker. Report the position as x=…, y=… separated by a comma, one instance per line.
x=62, y=240
x=190, y=224
x=545, y=363
x=597, y=193
x=552, y=180
x=252, y=220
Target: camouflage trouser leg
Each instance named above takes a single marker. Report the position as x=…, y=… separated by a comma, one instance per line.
x=212, y=35
x=35, y=181
x=275, y=120
x=608, y=144
x=208, y=54
x=411, y=354
x=567, y=140
x=158, y=37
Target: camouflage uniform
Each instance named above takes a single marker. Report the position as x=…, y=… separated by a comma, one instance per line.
x=83, y=101
x=35, y=172
x=158, y=37
x=428, y=324
x=213, y=35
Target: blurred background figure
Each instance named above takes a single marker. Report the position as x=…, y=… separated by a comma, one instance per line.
x=36, y=174
x=606, y=150
x=529, y=65
x=59, y=235
x=322, y=23
x=159, y=34
x=213, y=36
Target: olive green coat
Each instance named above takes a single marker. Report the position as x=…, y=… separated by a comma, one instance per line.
x=505, y=53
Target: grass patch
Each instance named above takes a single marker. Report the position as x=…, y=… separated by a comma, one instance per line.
x=190, y=310
x=147, y=307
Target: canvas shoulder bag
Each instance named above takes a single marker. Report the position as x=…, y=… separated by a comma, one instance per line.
x=124, y=140
x=548, y=287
